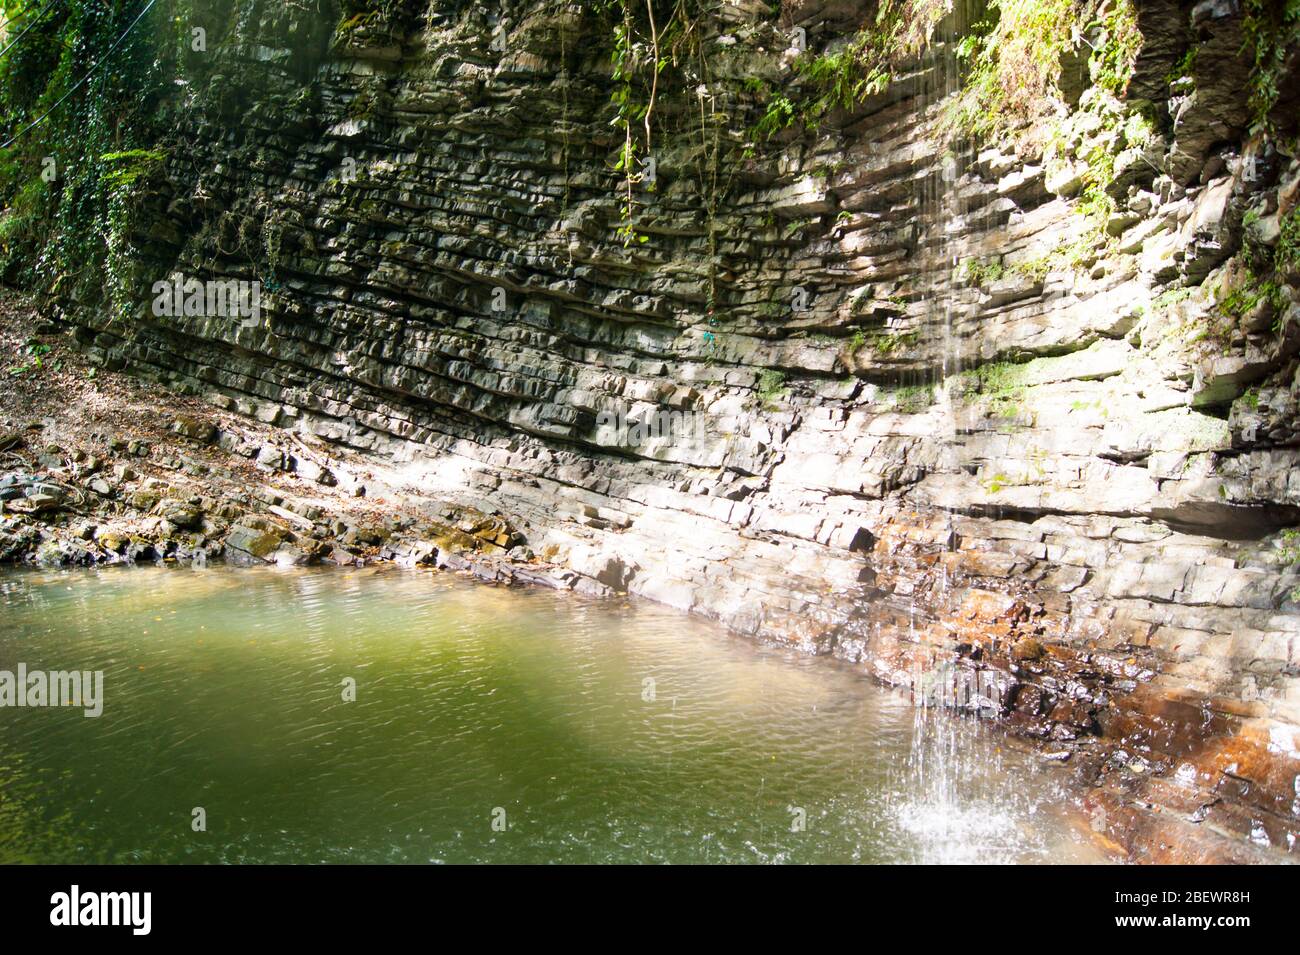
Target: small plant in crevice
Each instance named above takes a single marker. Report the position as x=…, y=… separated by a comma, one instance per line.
x=770, y=388
x=779, y=113
x=1001, y=386
x=1288, y=553
x=1170, y=297
x=987, y=272
x=911, y=399
x=996, y=483
x=1184, y=67
x=1265, y=275
x=891, y=343
x=848, y=73
x=982, y=272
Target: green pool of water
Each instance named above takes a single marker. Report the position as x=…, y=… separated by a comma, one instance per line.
x=489, y=725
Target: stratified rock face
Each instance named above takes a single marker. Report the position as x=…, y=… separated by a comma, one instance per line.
x=846, y=392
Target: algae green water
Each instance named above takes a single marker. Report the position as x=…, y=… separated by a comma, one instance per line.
x=489, y=725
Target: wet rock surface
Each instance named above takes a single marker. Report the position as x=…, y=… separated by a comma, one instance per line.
x=1076, y=476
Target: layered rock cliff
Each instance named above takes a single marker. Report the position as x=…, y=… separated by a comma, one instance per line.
x=875, y=388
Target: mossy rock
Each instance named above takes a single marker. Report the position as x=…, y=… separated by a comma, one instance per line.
x=113, y=542
x=253, y=542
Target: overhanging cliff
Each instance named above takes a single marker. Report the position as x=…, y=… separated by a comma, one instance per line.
x=832, y=371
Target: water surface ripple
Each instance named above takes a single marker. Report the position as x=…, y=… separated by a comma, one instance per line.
x=598, y=731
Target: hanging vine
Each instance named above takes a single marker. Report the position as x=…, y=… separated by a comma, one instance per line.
x=628, y=112
x=645, y=45
x=660, y=55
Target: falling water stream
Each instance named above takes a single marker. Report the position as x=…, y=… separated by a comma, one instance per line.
x=941, y=220
x=489, y=725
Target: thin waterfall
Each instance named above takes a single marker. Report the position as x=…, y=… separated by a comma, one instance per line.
x=949, y=813
x=939, y=224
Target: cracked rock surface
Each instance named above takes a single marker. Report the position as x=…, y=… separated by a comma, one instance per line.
x=846, y=395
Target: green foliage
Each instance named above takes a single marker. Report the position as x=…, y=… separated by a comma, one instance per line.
x=883, y=344
x=770, y=388
x=124, y=168
x=848, y=75
x=996, y=483
x=358, y=14
x=1288, y=552
x=987, y=272
x=1286, y=254
x=1185, y=65
x=999, y=377
x=1267, y=274
x=1003, y=385
x=1170, y=297
x=912, y=399
x=1139, y=129
x=779, y=114
x=1095, y=202
x=32, y=358
x=1013, y=60
x=20, y=222
x=891, y=343
x=646, y=42
x=1034, y=269
x=982, y=273
x=1272, y=29
x=627, y=113
x=1247, y=297
x=68, y=231
x=1117, y=48
x=842, y=77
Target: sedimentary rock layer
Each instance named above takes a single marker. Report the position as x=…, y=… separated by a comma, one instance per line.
x=841, y=388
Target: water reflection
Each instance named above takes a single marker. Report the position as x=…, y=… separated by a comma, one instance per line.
x=488, y=725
